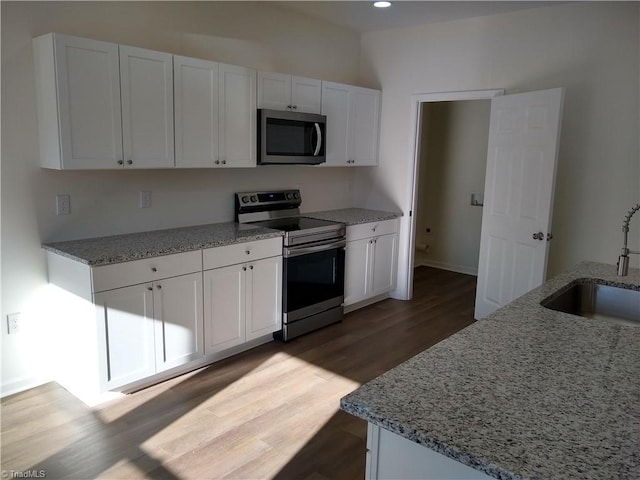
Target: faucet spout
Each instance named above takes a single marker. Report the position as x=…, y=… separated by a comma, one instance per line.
x=623, y=259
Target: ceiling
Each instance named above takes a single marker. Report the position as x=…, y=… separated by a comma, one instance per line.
x=362, y=16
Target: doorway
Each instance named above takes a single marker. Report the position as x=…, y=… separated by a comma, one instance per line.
x=420, y=104
x=451, y=174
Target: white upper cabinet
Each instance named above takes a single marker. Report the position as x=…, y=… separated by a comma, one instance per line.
x=215, y=117
x=101, y=105
x=353, y=123
x=78, y=96
x=196, y=112
x=237, y=116
x=277, y=91
x=146, y=79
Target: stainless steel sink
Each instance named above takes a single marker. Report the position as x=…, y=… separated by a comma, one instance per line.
x=602, y=302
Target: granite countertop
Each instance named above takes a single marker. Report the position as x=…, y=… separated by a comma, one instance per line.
x=353, y=216
x=527, y=393
x=135, y=246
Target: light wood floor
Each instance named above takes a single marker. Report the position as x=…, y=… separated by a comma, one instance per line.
x=272, y=412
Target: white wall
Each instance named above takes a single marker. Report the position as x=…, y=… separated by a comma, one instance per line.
x=106, y=202
x=590, y=48
x=453, y=160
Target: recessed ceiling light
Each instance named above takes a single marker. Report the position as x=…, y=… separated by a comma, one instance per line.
x=382, y=4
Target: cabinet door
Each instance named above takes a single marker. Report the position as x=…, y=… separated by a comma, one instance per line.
x=274, y=91
x=306, y=95
x=147, y=107
x=89, y=115
x=357, y=270
x=125, y=335
x=177, y=308
x=383, y=272
x=196, y=112
x=224, y=308
x=264, y=297
x=364, y=126
x=237, y=116
x=335, y=105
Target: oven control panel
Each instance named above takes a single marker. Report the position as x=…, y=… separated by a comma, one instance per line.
x=280, y=197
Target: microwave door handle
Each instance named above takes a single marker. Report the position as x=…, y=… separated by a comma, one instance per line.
x=319, y=142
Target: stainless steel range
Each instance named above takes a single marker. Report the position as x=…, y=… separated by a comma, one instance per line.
x=313, y=259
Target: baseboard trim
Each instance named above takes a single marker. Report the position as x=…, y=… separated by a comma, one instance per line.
x=18, y=386
x=449, y=267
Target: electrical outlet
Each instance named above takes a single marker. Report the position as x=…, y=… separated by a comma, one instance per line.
x=145, y=199
x=63, y=204
x=13, y=322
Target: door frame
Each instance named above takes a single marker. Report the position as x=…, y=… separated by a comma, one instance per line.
x=415, y=127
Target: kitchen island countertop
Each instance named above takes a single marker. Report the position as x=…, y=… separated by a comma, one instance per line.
x=527, y=393
x=135, y=246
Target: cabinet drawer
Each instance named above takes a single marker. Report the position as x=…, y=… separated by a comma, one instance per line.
x=373, y=229
x=118, y=275
x=241, y=252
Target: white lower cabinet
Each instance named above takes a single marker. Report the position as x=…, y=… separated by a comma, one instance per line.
x=242, y=302
x=370, y=260
x=392, y=457
x=148, y=328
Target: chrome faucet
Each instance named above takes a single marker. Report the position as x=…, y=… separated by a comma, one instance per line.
x=623, y=259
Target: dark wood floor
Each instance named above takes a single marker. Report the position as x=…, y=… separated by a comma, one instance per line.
x=272, y=412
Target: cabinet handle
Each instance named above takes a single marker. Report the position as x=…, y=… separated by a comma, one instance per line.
x=295, y=107
x=120, y=162
x=289, y=107
x=154, y=269
x=129, y=162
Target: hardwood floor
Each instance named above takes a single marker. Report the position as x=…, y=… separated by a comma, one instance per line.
x=272, y=412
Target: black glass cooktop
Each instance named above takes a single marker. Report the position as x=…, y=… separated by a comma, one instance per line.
x=294, y=224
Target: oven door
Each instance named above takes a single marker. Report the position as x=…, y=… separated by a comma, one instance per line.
x=313, y=279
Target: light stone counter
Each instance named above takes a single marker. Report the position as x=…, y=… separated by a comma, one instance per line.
x=528, y=393
x=135, y=246
x=353, y=216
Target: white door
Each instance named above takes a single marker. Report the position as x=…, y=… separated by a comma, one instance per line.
x=224, y=308
x=196, y=112
x=364, y=125
x=306, y=94
x=237, y=116
x=88, y=80
x=335, y=105
x=357, y=270
x=177, y=308
x=125, y=335
x=384, y=264
x=147, y=107
x=264, y=297
x=274, y=91
x=524, y=134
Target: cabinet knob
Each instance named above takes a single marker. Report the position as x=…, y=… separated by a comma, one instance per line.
x=158, y=287
x=120, y=162
x=373, y=229
x=129, y=162
x=244, y=269
x=294, y=107
x=289, y=107
x=154, y=269
x=217, y=162
x=250, y=267
x=150, y=288
x=224, y=162
x=248, y=252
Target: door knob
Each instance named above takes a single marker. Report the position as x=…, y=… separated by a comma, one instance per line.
x=538, y=236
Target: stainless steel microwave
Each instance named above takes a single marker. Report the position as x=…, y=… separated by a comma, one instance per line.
x=287, y=138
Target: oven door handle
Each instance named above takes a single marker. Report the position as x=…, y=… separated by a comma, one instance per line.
x=297, y=251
